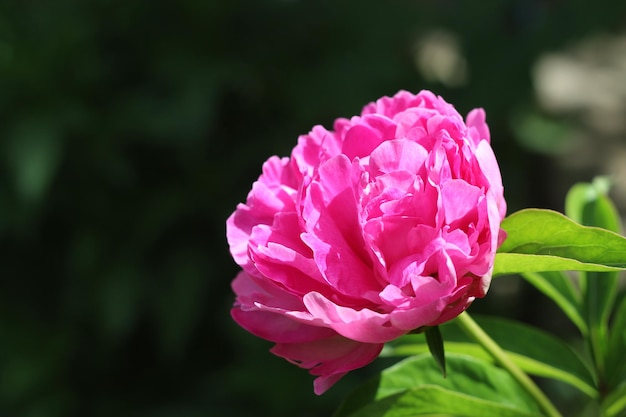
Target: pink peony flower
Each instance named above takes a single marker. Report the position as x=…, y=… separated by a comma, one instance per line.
x=385, y=225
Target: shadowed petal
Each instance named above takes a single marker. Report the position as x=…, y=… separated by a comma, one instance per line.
x=329, y=359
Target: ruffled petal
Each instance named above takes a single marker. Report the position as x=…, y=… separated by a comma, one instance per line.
x=329, y=358
x=362, y=325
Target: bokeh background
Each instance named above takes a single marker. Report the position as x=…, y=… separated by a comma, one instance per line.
x=129, y=130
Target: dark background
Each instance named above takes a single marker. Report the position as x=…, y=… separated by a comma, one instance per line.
x=129, y=130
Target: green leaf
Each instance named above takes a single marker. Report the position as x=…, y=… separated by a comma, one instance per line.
x=536, y=352
x=544, y=240
x=547, y=232
x=615, y=403
x=432, y=400
x=616, y=365
x=558, y=287
x=589, y=205
x=415, y=387
x=435, y=346
x=519, y=263
x=575, y=200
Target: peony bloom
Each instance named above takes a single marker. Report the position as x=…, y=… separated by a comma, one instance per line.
x=386, y=224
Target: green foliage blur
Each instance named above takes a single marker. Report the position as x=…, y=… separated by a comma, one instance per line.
x=129, y=130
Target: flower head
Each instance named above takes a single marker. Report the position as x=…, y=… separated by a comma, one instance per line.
x=386, y=224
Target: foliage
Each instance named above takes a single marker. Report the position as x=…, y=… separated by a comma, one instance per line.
x=129, y=131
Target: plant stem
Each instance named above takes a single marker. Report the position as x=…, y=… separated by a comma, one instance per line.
x=478, y=334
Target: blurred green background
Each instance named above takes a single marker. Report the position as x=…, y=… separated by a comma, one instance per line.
x=129, y=130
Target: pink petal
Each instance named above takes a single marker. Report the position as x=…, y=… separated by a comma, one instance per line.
x=238, y=228
x=286, y=260
x=261, y=308
x=329, y=358
x=417, y=315
x=363, y=137
x=362, y=325
x=458, y=199
x=476, y=120
x=489, y=166
x=252, y=291
x=334, y=234
x=397, y=155
x=267, y=197
x=277, y=328
x=315, y=148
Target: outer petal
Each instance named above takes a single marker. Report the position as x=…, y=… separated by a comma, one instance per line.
x=362, y=325
x=489, y=166
x=329, y=358
x=476, y=120
x=280, y=256
x=366, y=134
x=262, y=308
x=270, y=194
x=315, y=148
